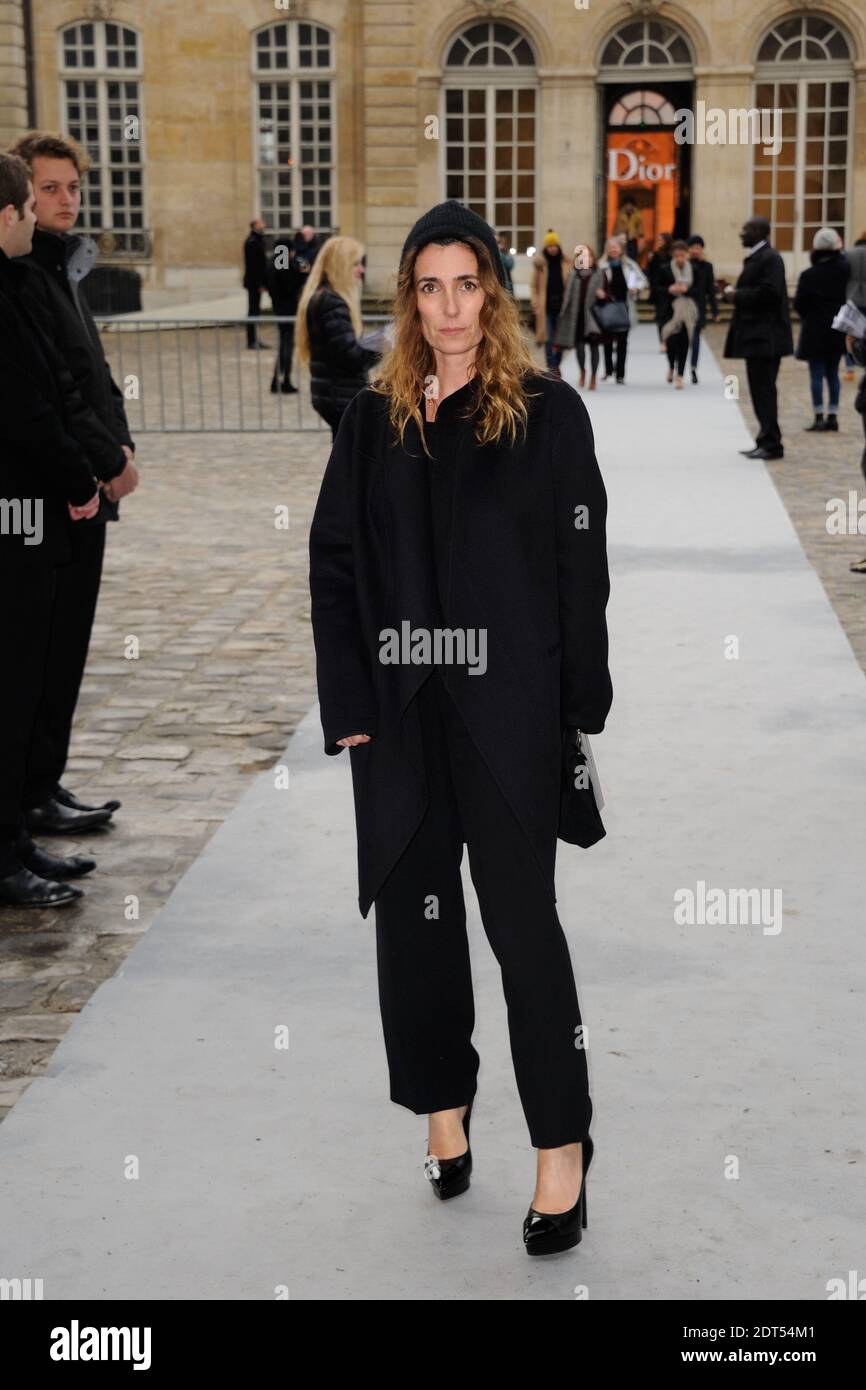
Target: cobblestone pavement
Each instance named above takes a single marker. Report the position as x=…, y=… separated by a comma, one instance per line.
x=217, y=598
x=815, y=469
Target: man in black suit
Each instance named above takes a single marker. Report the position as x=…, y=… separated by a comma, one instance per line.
x=255, y=278
x=47, y=486
x=60, y=259
x=760, y=331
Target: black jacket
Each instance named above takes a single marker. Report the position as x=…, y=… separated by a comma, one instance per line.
x=40, y=460
x=103, y=426
x=665, y=303
x=255, y=261
x=338, y=363
x=821, y=292
x=286, y=280
x=705, y=282
x=511, y=560
x=761, y=322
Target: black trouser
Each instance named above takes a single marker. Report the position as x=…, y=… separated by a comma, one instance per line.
x=71, y=623
x=25, y=618
x=254, y=308
x=425, y=981
x=621, y=341
x=761, y=373
x=678, y=350
x=283, y=364
x=592, y=344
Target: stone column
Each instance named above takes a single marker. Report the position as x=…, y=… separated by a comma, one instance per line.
x=13, y=72
x=390, y=134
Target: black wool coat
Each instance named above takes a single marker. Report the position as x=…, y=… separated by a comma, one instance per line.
x=338, y=363
x=821, y=292
x=506, y=556
x=255, y=262
x=761, y=322
x=41, y=413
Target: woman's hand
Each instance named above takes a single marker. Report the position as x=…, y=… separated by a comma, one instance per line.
x=351, y=739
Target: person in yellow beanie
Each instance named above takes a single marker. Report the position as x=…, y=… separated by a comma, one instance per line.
x=550, y=271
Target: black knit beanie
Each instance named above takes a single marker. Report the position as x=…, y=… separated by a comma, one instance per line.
x=452, y=219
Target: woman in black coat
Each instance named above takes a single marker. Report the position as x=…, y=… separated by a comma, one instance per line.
x=459, y=581
x=329, y=329
x=821, y=292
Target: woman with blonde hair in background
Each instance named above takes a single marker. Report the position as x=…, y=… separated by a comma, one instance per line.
x=328, y=329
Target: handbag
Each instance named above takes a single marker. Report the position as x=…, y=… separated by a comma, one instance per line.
x=613, y=316
x=579, y=811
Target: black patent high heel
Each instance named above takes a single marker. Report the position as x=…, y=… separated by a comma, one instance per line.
x=546, y=1233
x=450, y=1176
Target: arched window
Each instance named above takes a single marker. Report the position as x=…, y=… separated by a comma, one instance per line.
x=295, y=154
x=804, y=71
x=100, y=73
x=645, y=43
x=490, y=127
x=642, y=108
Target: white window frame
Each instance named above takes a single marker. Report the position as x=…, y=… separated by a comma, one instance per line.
x=102, y=74
x=489, y=78
x=292, y=75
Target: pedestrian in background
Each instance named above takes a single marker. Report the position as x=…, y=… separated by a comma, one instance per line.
x=821, y=292
x=679, y=280
x=705, y=286
x=760, y=331
x=255, y=279
x=577, y=324
x=549, y=281
x=660, y=258
x=329, y=328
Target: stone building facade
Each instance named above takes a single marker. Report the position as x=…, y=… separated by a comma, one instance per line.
x=357, y=114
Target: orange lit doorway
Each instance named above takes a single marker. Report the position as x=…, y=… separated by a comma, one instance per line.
x=642, y=161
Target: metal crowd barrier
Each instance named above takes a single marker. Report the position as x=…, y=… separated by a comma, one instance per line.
x=199, y=376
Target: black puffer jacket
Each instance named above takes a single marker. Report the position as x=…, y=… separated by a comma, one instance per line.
x=821, y=292
x=338, y=363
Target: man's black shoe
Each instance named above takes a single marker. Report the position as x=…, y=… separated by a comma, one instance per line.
x=25, y=889
x=58, y=870
x=751, y=453
x=53, y=818
x=767, y=454
x=70, y=799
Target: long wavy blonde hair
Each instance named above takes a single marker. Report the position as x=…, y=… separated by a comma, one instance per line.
x=503, y=362
x=334, y=267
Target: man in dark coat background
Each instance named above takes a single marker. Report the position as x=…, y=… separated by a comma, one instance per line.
x=46, y=486
x=255, y=278
x=760, y=331
x=287, y=276
x=59, y=261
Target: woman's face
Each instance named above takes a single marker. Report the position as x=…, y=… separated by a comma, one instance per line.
x=680, y=256
x=449, y=297
x=614, y=248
